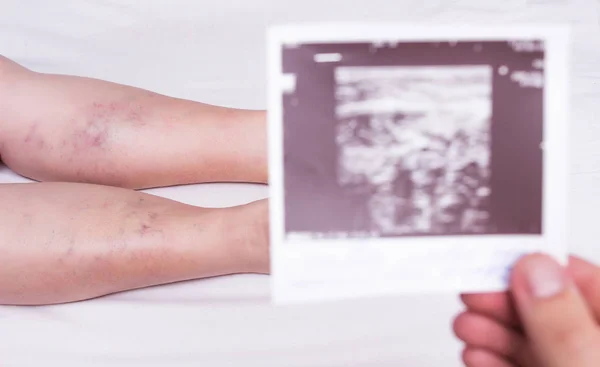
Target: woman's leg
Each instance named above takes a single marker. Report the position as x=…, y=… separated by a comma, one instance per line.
x=68, y=128
x=62, y=242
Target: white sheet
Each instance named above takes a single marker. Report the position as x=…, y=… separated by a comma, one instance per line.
x=214, y=51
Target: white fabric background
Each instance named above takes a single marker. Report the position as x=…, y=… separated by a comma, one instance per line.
x=214, y=51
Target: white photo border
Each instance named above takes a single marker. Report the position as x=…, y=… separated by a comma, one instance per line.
x=319, y=270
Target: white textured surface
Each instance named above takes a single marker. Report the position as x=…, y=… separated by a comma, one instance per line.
x=214, y=51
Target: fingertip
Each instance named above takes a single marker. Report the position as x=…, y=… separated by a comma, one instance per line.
x=538, y=276
x=459, y=325
x=581, y=270
x=476, y=357
x=468, y=326
x=484, y=301
x=498, y=306
x=469, y=299
x=485, y=333
x=465, y=354
x=524, y=261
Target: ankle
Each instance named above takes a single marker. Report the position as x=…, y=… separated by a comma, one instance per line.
x=250, y=132
x=247, y=230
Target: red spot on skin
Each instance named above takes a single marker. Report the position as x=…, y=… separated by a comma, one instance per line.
x=134, y=115
x=97, y=141
x=93, y=135
x=41, y=144
x=144, y=229
x=99, y=114
x=31, y=133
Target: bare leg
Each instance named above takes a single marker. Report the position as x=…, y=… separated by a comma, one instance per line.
x=67, y=128
x=62, y=242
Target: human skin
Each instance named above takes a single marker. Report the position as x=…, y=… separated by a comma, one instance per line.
x=75, y=129
x=550, y=317
x=89, y=234
x=63, y=242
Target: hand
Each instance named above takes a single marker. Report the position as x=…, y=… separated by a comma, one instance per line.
x=550, y=318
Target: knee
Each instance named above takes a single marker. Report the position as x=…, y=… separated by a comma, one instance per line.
x=5, y=63
x=10, y=74
x=9, y=70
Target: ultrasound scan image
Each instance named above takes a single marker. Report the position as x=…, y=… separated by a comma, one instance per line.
x=414, y=139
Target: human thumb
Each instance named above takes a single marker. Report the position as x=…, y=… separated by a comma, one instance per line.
x=561, y=330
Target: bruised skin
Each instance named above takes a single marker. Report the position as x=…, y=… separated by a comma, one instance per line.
x=100, y=240
x=66, y=128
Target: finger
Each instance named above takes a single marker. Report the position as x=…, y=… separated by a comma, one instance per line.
x=474, y=357
x=498, y=306
x=561, y=329
x=482, y=332
x=587, y=278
